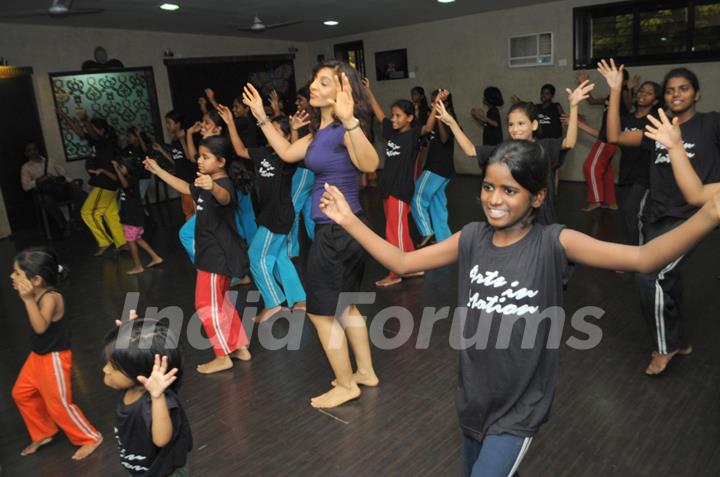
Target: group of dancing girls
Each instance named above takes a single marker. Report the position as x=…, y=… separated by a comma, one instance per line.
x=518, y=246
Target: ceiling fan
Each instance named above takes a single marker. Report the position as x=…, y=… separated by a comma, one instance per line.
x=59, y=8
x=257, y=25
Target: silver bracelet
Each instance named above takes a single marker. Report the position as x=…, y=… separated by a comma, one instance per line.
x=264, y=121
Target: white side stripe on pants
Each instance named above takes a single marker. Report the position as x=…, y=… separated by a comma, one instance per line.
x=418, y=201
x=521, y=454
x=216, y=315
x=62, y=390
x=598, y=153
x=660, y=307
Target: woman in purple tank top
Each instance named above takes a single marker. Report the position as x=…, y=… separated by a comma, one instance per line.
x=337, y=151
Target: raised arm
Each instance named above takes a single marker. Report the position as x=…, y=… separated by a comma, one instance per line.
x=159, y=380
x=614, y=78
x=582, y=76
x=668, y=134
x=174, y=182
x=334, y=205
x=575, y=97
x=275, y=103
x=362, y=152
x=71, y=123
x=190, y=148
x=288, y=152
x=647, y=258
x=377, y=109
x=297, y=121
x=442, y=130
x=238, y=145
x=446, y=118
x=582, y=124
x=211, y=97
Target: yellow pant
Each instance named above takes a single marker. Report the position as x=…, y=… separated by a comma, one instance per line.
x=101, y=205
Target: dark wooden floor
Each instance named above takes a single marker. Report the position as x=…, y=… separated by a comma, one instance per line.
x=608, y=418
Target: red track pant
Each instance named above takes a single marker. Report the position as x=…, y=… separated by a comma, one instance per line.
x=599, y=174
x=396, y=224
x=218, y=316
x=43, y=395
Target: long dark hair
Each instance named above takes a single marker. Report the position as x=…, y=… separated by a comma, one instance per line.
x=42, y=262
x=659, y=96
x=362, y=107
x=423, y=107
x=220, y=147
x=131, y=349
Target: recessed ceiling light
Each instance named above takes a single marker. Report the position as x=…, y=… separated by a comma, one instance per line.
x=170, y=7
x=445, y=1
x=331, y=22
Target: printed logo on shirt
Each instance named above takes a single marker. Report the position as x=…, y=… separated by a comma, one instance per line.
x=392, y=149
x=544, y=119
x=662, y=156
x=507, y=302
x=198, y=206
x=124, y=456
x=266, y=169
x=177, y=154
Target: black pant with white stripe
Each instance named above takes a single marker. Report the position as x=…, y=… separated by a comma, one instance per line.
x=661, y=294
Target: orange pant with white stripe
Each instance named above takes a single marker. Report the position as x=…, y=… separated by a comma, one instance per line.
x=43, y=395
x=219, y=317
x=397, y=231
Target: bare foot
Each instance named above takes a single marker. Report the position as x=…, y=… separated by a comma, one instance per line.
x=362, y=379
x=101, y=250
x=301, y=305
x=659, y=362
x=87, y=449
x=336, y=396
x=154, y=262
x=33, y=447
x=267, y=313
x=414, y=275
x=243, y=354
x=590, y=207
x=221, y=363
x=135, y=271
x=388, y=281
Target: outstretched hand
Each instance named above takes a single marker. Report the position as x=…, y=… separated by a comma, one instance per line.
x=343, y=104
x=225, y=113
x=151, y=165
x=612, y=74
x=664, y=131
x=204, y=181
x=160, y=379
x=582, y=92
x=334, y=205
x=299, y=119
x=253, y=100
x=442, y=114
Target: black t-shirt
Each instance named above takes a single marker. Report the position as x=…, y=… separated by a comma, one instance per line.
x=57, y=336
x=492, y=135
x=549, y=119
x=397, y=177
x=273, y=179
x=553, y=154
x=134, y=157
x=133, y=433
x=248, y=131
x=104, y=155
x=511, y=296
x=635, y=161
x=218, y=246
x=185, y=169
x=440, y=157
x=131, y=206
x=701, y=138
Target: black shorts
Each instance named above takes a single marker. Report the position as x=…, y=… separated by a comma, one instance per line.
x=335, y=264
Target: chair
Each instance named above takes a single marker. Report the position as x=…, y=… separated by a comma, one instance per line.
x=69, y=203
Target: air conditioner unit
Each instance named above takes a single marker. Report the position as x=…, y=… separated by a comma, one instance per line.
x=530, y=50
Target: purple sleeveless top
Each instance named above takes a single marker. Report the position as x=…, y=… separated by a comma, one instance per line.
x=328, y=158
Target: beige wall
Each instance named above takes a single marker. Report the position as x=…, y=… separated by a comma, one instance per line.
x=469, y=53
x=54, y=49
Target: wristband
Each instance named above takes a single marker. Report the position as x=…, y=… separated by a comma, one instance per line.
x=263, y=121
x=357, y=125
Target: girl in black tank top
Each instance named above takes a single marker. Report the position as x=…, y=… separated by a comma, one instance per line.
x=42, y=391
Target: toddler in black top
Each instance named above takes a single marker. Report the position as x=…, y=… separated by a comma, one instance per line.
x=144, y=361
x=397, y=182
x=132, y=216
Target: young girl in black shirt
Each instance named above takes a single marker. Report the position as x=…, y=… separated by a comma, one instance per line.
x=132, y=217
x=490, y=119
x=397, y=183
x=510, y=274
x=143, y=360
x=220, y=252
x=42, y=391
x=422, y=113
